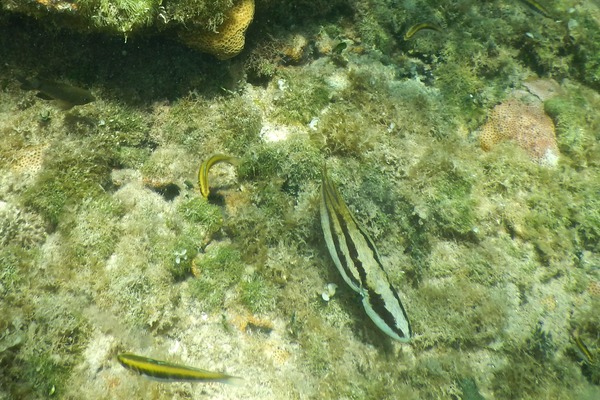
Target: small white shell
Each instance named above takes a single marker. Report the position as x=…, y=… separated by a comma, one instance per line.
x=329, y=291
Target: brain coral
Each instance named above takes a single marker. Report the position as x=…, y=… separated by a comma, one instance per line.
x=525, y=124
x=229, y=39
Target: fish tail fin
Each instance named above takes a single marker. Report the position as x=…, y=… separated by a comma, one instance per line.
x=233, y=380
x=28, y=84
x=235, y=161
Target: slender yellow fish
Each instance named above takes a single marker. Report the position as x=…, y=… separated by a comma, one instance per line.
x=587, y=354
x=417, y=27
x=206, y=166
x=356, y=258
x=533, y=4
x=170, y=372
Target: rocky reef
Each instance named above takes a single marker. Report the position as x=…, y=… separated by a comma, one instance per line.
x=216, y=27
x=108, y=246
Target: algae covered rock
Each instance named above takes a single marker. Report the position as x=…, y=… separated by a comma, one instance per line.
x=213, y=26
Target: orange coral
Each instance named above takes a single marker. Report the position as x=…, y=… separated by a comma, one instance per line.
x=525, y=124
x=229, y=39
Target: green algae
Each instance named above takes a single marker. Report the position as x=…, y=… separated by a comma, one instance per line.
x=123, y=16
x=128, y=17
x=208, y=15
x=196, y=210
x=258, y=294
x=71, y=176
x=203, y=127
x=219, y=270
x=572, y=112
x=15, y=260
x=90, y=233
x=469, y=389
x=302, y=97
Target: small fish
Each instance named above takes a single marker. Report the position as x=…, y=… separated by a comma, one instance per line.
x=423, y=25
x=66, y=96
x=536, y=6
x=205, y=167
x=170, y=372
x=587, y=354
x=338, y=48
x=356, y=258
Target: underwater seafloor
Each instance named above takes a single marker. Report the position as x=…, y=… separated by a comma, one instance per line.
x=107, y=245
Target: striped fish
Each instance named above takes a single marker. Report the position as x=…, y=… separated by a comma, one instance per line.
x=418, y=27
x=358, y=261
x=535, y=5
x=205, y=167
x=588, y=357
x=170, y=372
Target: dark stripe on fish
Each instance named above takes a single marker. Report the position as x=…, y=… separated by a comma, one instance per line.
x=170, y=372
x=536, y=6
x=357, y=259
